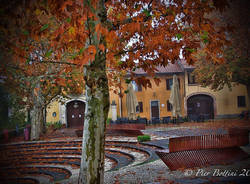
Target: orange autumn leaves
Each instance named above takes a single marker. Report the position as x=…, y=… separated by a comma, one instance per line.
x=76, y=32
x=78, y=22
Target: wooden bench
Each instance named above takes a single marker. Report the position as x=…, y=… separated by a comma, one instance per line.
x=128, y=129
x=197, y=151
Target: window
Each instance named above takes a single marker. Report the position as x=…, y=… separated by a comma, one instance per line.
x=241, y=101
x=139, y=107
x=154, y=103
x=54, y=114
x=136, y=87
x=179, y=83
x=139, y=88
x=169, y=106
x=191, y=78
x=169, y=83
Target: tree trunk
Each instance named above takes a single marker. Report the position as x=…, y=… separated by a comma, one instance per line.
x=97, y=97
x=36, y=122
x=36, y=114
x=248, y=94
x=96, y=111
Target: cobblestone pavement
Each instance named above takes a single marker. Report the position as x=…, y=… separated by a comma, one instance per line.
x=182, y=131
x=156, y=172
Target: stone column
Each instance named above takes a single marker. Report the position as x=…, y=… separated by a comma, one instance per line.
x=62, y=113
x=114, y=111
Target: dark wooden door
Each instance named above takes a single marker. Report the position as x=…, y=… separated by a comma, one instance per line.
x=75, y=113
x=155, y=110
x=201, y=105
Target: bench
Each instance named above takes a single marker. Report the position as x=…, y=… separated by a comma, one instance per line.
x=127, y=129
x=205, y=150
x=126, y=121
x=131, y=129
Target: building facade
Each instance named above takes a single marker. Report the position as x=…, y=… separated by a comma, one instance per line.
x=225, y=103
x=69, y=111
x=153, y=102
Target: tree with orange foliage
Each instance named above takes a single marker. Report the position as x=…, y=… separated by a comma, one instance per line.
x=27, y=67
x=105, y=36
x=37, y=84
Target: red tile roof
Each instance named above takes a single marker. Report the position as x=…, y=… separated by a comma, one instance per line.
x=185, y=65
x=170, y=68
x=178, y=67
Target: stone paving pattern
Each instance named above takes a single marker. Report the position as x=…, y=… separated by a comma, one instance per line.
x=150, y=170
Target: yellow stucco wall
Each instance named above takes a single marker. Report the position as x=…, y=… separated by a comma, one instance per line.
x=52, y=107
x=156, y=93
x=225, y=99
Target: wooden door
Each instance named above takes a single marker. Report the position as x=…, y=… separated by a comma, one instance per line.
x=155, y=110
x=75, y=113
x=201, y=105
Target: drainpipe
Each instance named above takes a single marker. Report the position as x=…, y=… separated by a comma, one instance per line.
x=44, y=118
x=184, y=93
x=120, y=100
x=120, y=106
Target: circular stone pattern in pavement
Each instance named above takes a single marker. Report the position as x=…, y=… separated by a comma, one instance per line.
x=54, y=161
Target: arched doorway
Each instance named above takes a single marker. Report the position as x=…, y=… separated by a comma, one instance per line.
x=200, y=106
x=75, y=113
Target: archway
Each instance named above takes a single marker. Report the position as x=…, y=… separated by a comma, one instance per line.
x=75, y=113
x=200, y=105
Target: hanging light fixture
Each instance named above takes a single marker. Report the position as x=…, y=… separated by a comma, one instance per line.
x=75, y=105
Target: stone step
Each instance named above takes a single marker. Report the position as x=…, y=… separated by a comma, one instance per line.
x=54, y=173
